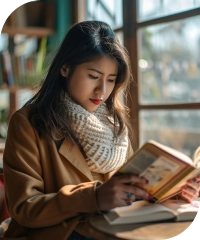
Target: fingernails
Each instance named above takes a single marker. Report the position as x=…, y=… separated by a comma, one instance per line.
x=183, y=187
x=148, y=196
x=145, y=181
x=129, y=202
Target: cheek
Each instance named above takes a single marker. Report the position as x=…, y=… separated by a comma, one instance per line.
x=110, y=89
x=77, y=90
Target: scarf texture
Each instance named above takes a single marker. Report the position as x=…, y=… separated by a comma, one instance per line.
x=95, y=135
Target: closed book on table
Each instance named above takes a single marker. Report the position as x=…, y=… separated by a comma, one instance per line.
x=144, y=211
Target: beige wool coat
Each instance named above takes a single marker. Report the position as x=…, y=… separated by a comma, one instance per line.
x=49, y=191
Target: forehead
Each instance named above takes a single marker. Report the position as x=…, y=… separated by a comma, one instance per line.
x=104, y=64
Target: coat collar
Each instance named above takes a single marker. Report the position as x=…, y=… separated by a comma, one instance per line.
x=72, y=153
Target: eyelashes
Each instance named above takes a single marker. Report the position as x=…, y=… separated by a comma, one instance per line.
x=94, y=77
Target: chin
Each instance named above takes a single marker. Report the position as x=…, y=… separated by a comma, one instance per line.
x=92, y=109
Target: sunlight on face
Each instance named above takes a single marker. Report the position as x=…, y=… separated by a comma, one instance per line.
x=92, y=82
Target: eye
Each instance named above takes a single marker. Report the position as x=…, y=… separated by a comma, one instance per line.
x=93, y=77
x=111, y=80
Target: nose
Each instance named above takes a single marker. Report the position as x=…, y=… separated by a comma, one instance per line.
x=101, y=88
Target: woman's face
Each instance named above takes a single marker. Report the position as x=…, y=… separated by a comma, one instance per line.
x=92, y=82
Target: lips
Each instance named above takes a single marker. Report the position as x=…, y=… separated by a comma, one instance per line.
x=96, y=101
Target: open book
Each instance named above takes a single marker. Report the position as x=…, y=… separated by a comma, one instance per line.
x=144, y=211
x=166, y=169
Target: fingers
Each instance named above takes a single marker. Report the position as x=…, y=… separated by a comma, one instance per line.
x=193, y=184
x=113, y=192
x=136, y=192
x=191, y=191
x=130, y=198
x=189, y=196
x=130, y=178
x=197, y=178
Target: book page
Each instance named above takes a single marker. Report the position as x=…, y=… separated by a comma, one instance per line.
x=181, y=206
x=174, y=152
x=140, y=211
x=158, y=173
x=156, y=168
x=140, y=208
x=143, y=211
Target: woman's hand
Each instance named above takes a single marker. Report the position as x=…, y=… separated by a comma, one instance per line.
x=191, y=191
x=118, y=191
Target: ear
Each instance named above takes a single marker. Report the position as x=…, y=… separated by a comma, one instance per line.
x=64, y=70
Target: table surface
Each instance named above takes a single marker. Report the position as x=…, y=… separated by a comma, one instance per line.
x=148, y=231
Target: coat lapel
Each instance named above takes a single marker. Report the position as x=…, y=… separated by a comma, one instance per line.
x=73, y=154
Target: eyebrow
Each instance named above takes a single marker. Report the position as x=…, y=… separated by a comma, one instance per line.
x=96, y=70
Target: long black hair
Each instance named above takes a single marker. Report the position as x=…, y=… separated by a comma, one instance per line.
x=84, y=42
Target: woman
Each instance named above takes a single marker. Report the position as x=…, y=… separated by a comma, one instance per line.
x=69, y=138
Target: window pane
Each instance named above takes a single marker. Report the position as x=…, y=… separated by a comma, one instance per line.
x=179, y=129
x=120, y=35
x=169, y=62
x=151, y=9
x=103, y=10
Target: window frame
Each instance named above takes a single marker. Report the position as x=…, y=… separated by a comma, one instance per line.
x=130, y=29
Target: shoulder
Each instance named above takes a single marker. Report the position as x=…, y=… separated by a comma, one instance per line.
x=19, y=121
x=24, y=110
x=21, y=115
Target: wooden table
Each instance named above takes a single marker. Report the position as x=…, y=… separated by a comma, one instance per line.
x=148, y=231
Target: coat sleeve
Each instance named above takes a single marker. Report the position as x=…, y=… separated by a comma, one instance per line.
x=25, y=193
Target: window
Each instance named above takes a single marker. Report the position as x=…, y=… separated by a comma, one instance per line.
x=109, y=11
x=163, y=39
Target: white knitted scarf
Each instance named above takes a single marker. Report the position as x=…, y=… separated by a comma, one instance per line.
x=95, y=134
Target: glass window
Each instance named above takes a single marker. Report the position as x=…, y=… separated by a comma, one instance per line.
x=151, y=9
x=120, y=36
x=179, y=129
x=103, y=10
x=169, y=62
